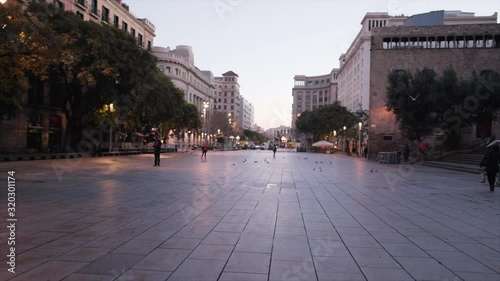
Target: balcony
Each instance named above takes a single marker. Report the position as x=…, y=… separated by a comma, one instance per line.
x=81, y=4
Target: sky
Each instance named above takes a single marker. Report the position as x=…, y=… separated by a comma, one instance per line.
x=268, y=42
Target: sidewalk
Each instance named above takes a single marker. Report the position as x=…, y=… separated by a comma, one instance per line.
x=247, y=216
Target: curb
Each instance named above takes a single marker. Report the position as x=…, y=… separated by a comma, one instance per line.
x=11, y=158
x=39, y=157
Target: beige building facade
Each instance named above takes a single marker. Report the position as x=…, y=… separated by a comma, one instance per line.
x=312, y=92
x=114, y=13
x=197, y=85
x=228, y=98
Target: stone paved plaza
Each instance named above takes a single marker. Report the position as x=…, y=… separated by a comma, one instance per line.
x=242, y=215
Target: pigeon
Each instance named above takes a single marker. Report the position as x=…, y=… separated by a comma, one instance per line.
x=330, y=162
x=255, y=161
x=321, y=162
x=371, y=171
x=234, y=164
x=316, y=162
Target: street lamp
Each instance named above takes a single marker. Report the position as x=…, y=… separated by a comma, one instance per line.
x=360, y=124
x=229, y=125
x=111, y=110
x=343, y=140
x=205, y=106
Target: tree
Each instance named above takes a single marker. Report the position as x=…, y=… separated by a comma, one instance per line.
x=423, y=102
x=412, y=99
x=324, y=120
x=27, y=48
x=253, y=136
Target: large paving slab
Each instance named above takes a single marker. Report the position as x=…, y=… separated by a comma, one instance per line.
x=244, y=215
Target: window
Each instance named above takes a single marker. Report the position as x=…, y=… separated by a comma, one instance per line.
x=132, y=32
x=124, y=26
x=225, y=107
x=93, y=8
x=139, y=39
x=225, y=100
x=105, y=14
x=60, y=5
x=81, y=3
x=232, y=107
x=80, y=15
x=232, y=100
x=220, y=100
x=149, y=45
x=116, y=21
x=167, y=69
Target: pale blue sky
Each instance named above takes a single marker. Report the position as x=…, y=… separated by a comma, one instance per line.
x=267, y=43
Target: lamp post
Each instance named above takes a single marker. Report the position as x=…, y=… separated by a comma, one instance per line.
x=205, y=106
x=335, y=137
x=228, y=125
x=343, y=140
x=111, y=110
x=360, y=124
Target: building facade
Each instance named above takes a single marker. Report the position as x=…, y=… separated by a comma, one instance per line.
x=280, y=135
x=466, y=48
x=354, y=65
x=227, y=98
x=312, y=92
x=246, y=114
x=197, y=85
x=114, y=13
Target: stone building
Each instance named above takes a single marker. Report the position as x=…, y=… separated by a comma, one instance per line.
x=197, y=85
x=312, y=92
x=466, y=48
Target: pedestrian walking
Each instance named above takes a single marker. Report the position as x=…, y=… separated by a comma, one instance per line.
x=406, y=153
x=491, y=161
x=157, y=150
x=274, y=150
x=365, y=152
x=204, y=150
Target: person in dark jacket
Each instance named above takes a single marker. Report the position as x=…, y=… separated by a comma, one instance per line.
x=491, y=161
x=157, y=150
